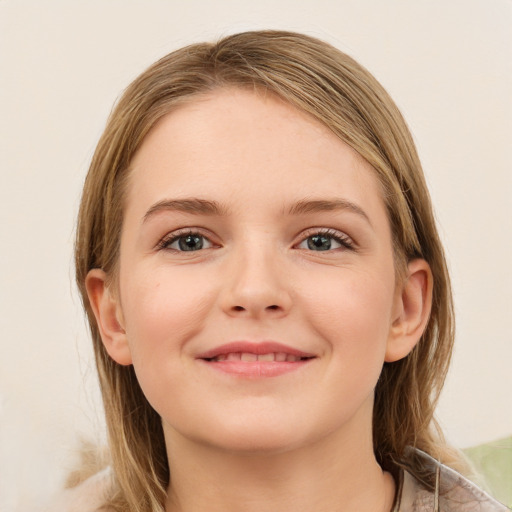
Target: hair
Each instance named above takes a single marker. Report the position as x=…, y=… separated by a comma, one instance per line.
x=332, y=88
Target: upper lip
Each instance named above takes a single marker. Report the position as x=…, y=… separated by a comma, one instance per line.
x=264, y=347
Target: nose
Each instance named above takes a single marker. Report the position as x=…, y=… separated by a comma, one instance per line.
x=257, y=286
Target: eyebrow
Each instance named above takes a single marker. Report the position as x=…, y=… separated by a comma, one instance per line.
x=190, y=205
x=323, y=205
x=206, y=207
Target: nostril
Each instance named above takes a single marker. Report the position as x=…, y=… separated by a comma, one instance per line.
x=241, y=308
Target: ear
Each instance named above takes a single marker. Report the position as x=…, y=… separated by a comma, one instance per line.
x=413, y=302
x=109, y=316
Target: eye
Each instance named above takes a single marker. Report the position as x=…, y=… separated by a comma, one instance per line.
x=185, y=242
x=327, y=240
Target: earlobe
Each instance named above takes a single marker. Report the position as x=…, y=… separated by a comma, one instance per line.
x=412, y=310
x=108, y=313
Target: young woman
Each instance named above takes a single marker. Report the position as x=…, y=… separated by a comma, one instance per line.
x=267, y=293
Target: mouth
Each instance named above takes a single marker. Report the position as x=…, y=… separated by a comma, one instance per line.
x=267, y=359
x=249, y=357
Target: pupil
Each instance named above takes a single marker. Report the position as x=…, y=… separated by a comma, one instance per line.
x=190, y=243
x=319, y=243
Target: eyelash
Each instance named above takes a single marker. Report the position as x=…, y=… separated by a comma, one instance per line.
x=344, y=240
x=169, y=239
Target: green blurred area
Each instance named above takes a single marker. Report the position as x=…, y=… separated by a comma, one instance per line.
x=494, y=462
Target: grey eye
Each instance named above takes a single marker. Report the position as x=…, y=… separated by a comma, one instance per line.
x=320, y=242
x=190, y=242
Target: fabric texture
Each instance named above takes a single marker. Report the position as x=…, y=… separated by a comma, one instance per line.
x=89, y=496
x=451, y=493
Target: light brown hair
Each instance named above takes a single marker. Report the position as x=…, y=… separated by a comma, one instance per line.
x=331, y=87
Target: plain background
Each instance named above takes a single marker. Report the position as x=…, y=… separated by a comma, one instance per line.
x=447, y=64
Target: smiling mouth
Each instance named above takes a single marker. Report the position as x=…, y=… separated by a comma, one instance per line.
x=250, y=357
x=255, y=360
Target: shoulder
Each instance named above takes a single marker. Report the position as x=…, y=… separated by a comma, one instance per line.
x=89, y=496
x=451, y=493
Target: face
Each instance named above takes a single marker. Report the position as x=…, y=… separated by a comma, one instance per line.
x=256, y=296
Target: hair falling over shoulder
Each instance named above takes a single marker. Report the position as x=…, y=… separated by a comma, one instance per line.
x=335, y=90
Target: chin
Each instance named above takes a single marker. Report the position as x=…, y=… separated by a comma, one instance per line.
x=264, y=441
x=249, y=435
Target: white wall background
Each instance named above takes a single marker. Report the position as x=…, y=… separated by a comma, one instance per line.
x=447, y=63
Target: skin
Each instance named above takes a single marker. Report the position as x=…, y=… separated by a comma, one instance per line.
x=297, y=441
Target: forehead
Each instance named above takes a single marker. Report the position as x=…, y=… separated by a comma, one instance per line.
x=244, y=140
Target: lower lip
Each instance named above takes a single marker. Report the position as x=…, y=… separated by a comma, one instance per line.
x=257, y=369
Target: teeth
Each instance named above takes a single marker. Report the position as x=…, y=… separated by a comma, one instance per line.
x=250, y=357
x=280, y=356
x=246, y=356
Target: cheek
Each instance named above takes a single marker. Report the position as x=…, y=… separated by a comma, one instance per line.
x=163, y=309
x=352, y=311
x=349, y=299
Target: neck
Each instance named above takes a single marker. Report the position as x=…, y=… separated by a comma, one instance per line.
x=326, y=476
